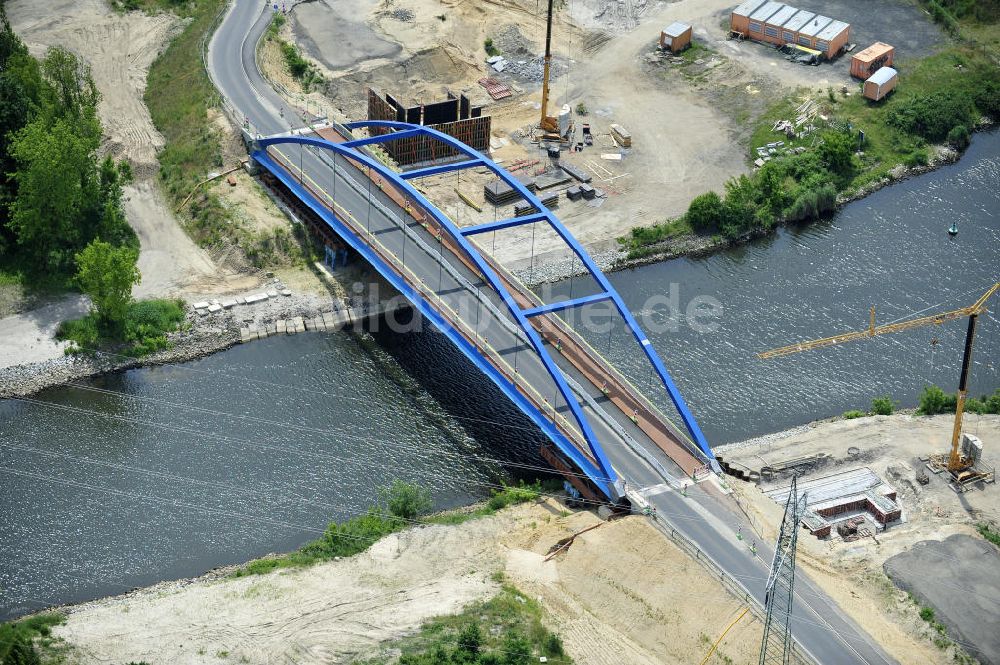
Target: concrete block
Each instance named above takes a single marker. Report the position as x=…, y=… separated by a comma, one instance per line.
x=256, y=297
x=202, y=312
x=279, y=326
x=262, y=334
x=298, y=322
x=244, y=335
x=201, y=305
x=329, y=320
x=241, y=301
x=317, y=324
x=286, y=292
x=272, y=294
x=214, y=308
x=272, y=329
x=228, y=304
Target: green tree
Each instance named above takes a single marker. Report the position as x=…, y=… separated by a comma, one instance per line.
x=107, y=274
x=705, y=212
x=73, y=94
x=934, y=400
x=837, y=153
x=517, y=649
x=406, y=500
x=470, y=638
x=55, y=184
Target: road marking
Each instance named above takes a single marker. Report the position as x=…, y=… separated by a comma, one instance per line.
x=653, y=490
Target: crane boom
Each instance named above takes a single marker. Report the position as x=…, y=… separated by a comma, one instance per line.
x=873, y=330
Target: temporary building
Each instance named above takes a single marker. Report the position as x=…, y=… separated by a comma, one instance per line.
x=807, y=33
x=778, y=23
x=739, y=20
x=791, y=27
x=880, y=84
x=831, y=39
x=759, y=17
x=675, y=37
x=772, y=26
x=870, y=60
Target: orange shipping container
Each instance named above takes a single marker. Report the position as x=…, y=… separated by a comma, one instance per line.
x=867, y=62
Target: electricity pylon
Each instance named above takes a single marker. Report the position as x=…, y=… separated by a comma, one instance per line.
x=776, y=645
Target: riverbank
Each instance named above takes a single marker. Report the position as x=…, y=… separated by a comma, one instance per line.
x=357, y=607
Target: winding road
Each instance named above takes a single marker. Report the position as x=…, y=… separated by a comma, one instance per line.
x=703, y=515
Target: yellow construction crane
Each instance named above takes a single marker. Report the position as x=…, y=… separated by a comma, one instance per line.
x=956, y=464
x=548, y=124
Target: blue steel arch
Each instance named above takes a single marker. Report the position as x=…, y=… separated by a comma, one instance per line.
x=640, y=336
x=603, y=474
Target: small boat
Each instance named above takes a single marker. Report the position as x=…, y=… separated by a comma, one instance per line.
x=953, y=229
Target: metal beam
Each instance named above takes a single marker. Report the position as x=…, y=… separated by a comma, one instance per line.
x=382, y=138
x=504, y=224
x=440, y=168
x=566, y=304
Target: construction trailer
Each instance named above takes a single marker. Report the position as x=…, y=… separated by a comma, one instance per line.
x=868, y=61
x=880, y=84
x=675, y=37
x=779, y=24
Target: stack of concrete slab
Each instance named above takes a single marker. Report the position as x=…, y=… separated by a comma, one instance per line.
x=548, y=200
x=578, y=174
x=587, y=191
x=500, y=193
x=552, y=179
x=574, y=193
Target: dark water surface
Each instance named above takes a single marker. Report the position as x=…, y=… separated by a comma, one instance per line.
x=255, y=449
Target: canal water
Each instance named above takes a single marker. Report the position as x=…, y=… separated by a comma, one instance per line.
x=166, y=472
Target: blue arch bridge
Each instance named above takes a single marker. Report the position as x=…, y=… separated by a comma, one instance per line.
x=599, y=425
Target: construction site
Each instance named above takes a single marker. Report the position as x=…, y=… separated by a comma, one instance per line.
x=613, y=115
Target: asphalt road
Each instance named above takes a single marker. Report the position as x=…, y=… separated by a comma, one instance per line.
x=705, y=516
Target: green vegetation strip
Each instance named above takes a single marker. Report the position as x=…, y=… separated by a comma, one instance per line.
x=505, y=630
x=29, y=641
x=400, y=506
x=145, y=329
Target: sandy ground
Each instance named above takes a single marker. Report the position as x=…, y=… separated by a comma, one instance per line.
x=852, y=573
x=609, y=596
x=28, y=336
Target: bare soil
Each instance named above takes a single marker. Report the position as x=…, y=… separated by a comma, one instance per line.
x=610, y=596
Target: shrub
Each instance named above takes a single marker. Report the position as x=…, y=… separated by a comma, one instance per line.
x=927, y=614
x=958, y=137
x=491, y=50
x=812, y=203
x=836, y=152
x=987, y=99
x=931, y=116
x=933, y=400
x=705, y=212
x=883, y=406
x=296, y=64
x=989, y=533
x=916, y=158
x=406, y=500
x=851, y=415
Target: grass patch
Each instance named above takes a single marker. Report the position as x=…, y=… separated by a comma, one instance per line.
x=303, y=71
x=851, y=415
x=507, y=629
x=989, y=533
x=642, y=240
x=147, y=324
x=399, y=506
x=21, y=639
x=179, y=95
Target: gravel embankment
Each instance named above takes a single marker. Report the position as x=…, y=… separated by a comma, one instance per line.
x=203, y=334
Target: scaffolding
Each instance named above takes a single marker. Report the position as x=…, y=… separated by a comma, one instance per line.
x=776, y=645
x=455, y=117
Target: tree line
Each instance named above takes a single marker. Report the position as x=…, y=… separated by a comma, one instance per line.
x=57, y=194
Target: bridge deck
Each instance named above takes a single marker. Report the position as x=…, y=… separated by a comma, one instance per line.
x=409, y=241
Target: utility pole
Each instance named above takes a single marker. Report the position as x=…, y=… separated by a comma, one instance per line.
x=776, y=645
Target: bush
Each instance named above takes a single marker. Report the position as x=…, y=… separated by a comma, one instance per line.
x=706, y=212
x=810, y=204
x=989, y=533
x=987, y=99
x=933, y=400
x=927, y=614
x=883, y=406
x=491, y=50
x=406, y=500
x=916, y=158
x=959, y=137
x=851, y=415
x=931, y=116
x=297, y=65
